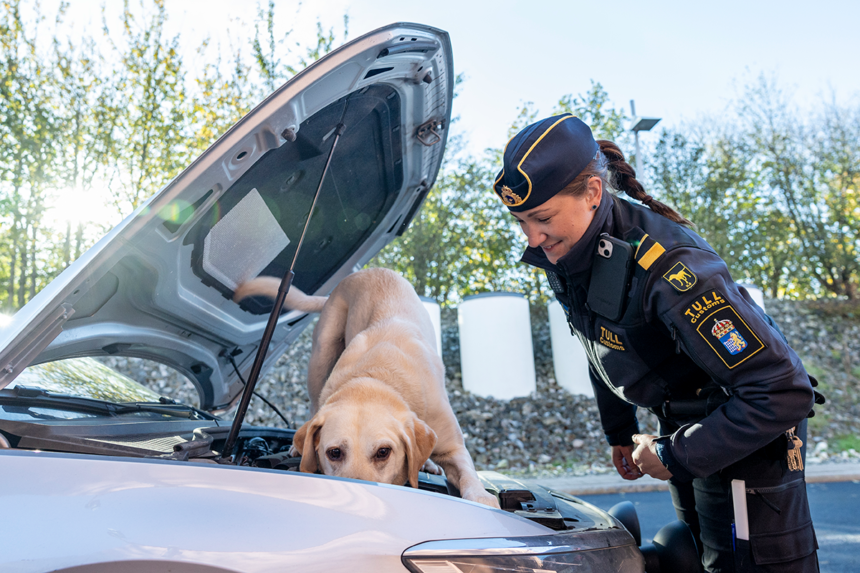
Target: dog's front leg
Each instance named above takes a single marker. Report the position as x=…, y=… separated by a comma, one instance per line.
x=460, y=471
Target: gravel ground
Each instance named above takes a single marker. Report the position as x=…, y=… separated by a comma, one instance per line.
x=553, y=432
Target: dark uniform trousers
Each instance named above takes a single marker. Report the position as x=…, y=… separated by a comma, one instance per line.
x=782, y=537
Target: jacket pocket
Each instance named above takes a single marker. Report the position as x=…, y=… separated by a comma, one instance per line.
x=629, y=376
x=780, y=524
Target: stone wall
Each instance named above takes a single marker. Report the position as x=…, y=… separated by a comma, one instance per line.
x=826, y=336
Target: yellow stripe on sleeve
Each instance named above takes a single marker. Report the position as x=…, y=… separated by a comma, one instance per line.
x=652, y=255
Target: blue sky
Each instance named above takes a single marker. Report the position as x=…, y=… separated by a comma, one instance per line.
x=678, y=60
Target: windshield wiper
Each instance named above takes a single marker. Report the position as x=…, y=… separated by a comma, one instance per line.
x=42, y=398
x=178, y=409
x=30, y=397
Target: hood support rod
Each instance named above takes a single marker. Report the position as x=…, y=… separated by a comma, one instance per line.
x=283, y=289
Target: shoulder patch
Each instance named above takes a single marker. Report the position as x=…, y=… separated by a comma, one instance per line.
x=647, y=251
x=680, y=277
x=724, y=330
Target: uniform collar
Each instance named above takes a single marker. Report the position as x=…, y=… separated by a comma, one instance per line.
x=577, y=261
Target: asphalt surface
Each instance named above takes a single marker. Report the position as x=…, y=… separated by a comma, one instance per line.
x=835, y=507
x=613, y=483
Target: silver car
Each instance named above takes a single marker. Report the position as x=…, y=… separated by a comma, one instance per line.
x=100, y=474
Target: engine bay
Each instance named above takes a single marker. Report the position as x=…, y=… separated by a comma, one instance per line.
x=266, y=448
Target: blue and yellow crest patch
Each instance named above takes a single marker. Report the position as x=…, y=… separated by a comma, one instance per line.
x=728, y=335
x=725, y=332
x=680, y=277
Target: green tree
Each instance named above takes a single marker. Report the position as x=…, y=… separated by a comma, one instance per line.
x=462, y=242
x=429, y=253
x=149, y=140
x=28, y=151
x=76, y=119
x=810, y=168
x=89, y=109
x=773, y=189
x=707, y=177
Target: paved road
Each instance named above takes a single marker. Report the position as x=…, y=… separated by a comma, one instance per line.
x=835, y=510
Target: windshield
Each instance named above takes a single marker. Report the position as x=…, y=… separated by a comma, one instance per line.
x=86, y=378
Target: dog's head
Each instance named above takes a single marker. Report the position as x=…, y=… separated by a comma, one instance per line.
x=367, y=439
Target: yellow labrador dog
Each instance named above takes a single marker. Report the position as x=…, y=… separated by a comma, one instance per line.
x=377, y=386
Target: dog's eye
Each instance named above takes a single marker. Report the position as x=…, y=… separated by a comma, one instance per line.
x=382, y=453
x=333, y=454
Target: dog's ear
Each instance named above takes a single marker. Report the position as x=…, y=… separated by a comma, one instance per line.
x=419, y=440
x=306, y=440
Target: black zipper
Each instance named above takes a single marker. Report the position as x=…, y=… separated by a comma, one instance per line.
x=776, y=488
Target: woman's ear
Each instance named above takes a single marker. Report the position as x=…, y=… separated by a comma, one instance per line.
x=594, y=191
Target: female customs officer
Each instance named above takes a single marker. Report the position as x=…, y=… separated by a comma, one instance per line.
x=665, y=327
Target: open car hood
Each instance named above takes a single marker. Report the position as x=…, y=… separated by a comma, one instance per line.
x=160, y=285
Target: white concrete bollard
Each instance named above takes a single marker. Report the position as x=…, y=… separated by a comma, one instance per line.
x=436, y=318
x=568, y=356
x=496, y=354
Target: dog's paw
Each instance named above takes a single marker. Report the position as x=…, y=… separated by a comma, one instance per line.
x=294, y=453
x=431, y=468
x=482, y=497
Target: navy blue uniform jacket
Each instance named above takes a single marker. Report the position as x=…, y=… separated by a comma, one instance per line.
x=686, y=323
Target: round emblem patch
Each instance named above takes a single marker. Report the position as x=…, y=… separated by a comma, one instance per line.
x=509, y=197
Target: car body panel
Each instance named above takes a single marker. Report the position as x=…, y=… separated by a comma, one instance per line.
x=238, y=519
x=140, y=291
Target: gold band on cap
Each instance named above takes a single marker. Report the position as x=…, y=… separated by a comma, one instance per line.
x=519, y=166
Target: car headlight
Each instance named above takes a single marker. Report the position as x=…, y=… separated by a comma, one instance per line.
x=584, y=552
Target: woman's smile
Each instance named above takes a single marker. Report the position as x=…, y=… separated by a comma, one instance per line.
x=549, y=248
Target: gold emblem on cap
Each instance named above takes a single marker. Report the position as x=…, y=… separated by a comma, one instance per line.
x=509, y=196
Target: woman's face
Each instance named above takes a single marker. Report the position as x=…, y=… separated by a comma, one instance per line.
x=560, y=222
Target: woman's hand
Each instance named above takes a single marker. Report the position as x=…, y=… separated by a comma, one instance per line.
x=622, y=457
x=645, y=457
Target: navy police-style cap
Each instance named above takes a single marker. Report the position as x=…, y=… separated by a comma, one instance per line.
x=542, y=159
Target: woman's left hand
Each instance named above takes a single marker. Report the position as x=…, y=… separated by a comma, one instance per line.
x=645, y=457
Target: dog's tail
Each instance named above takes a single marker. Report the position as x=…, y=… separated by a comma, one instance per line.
x=268, y=286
